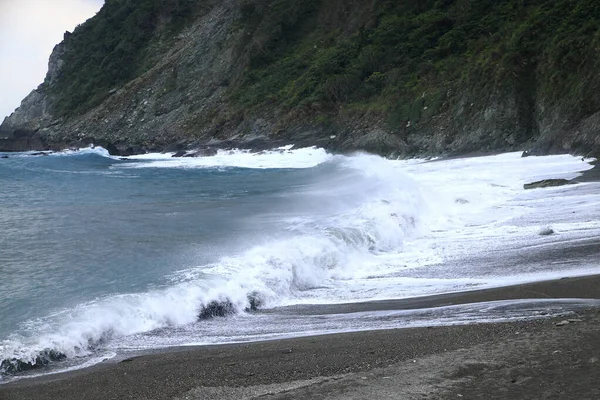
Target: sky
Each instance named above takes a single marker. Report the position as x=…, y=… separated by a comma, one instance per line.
x=29, y=30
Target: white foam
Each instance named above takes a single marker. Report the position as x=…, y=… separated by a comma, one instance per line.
x=287, y=324
x=316, y=253
x=97, y=150
x=283, y=157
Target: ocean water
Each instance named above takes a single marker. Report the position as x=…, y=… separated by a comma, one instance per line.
x=101, y=257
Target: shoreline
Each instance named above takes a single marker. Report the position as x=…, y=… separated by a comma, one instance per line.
x=297, y=367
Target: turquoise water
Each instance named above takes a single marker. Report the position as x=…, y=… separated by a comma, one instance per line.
x=73, y=229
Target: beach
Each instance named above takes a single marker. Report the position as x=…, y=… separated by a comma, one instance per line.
x=526, y=359
x=340, y=278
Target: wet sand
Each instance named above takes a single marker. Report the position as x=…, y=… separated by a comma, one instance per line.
x=526, y=360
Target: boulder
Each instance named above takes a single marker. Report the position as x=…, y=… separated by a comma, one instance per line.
x=15, y=365
x=216, y=309
x=207, y=152
x=254, y=302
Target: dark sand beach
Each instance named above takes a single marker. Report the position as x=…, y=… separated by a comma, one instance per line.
x=534, y=359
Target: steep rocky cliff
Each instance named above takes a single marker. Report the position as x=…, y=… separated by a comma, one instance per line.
x=405, y=78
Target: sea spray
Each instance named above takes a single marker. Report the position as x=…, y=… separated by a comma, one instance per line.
x=351, y=210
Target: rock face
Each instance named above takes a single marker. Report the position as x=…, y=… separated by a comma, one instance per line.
x=25, y=128
x=189, y=91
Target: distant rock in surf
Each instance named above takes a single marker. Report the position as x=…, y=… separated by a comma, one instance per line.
x=15, y=365
x=225, y=308
x=205, y=152
x=216, y=309
x=254, y=302
x=208, y=152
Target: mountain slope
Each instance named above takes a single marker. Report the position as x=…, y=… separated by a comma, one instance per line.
x=411, y=77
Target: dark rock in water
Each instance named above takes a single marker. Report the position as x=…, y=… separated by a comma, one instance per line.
x=525, y=154
x=547, y=183
x=254, y=302
x=208, y=152
x=461, y=201
x=14, y=365
x=39, y=153
x=4, y=157
x=216, y=309
x=179, y=153
x=546, y=232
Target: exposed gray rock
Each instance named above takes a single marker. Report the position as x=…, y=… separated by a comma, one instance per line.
x=22, y=141
x=56, y=62
x=547, y=183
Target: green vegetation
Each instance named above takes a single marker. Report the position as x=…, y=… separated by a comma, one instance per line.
x=402, y=59
x=111, y=49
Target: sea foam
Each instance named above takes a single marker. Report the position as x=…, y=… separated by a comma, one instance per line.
x=357, y=208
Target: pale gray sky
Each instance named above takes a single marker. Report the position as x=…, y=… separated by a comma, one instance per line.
x=29, y=30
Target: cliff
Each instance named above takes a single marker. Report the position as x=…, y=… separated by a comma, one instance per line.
x=396, y=78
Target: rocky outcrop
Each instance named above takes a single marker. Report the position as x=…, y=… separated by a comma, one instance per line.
x=548, y=183
x=25, y=129
x=45, y=357
x=56, y=62
x=31, y=116
x=18, y=140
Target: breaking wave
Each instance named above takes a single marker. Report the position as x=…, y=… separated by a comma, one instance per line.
x=353, y=209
